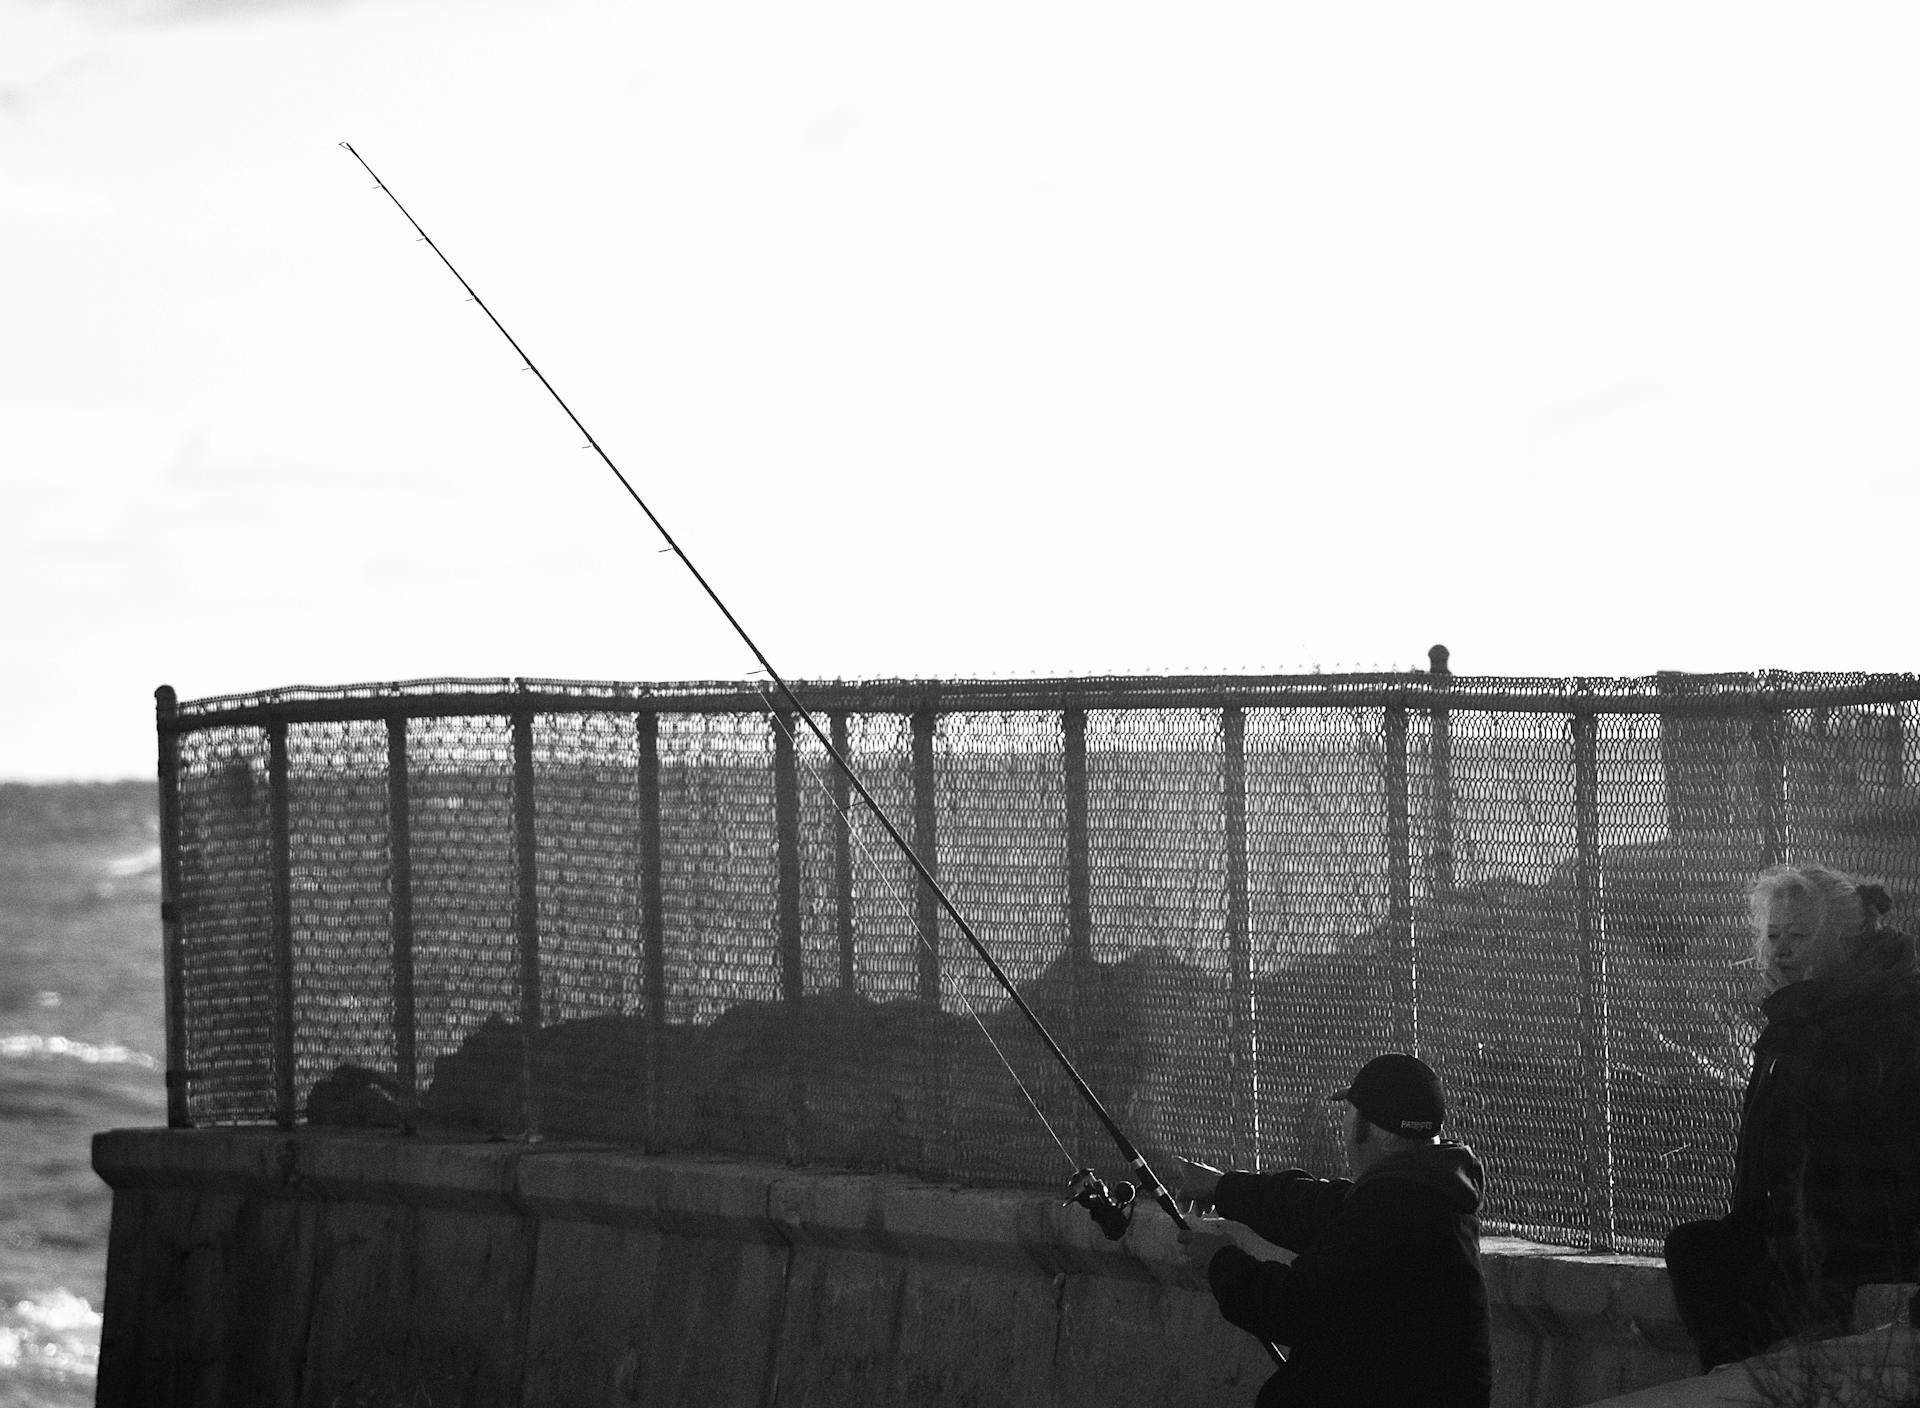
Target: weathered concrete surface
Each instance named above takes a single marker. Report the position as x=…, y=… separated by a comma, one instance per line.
x=348, y=1269
x=1570, y=1327
x=1874, y=1369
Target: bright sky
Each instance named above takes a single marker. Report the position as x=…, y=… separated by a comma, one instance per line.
x=994, y=338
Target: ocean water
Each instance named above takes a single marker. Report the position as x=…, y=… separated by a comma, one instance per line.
x=80, y=1051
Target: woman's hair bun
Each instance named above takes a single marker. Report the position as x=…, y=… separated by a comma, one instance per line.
x=1874, y=900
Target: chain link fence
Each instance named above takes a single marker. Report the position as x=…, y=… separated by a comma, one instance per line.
x=654, y=915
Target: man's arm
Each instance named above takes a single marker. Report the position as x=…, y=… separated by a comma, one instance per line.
x=1325, y=1287
x=1252, y=1293
x=1290, y=1208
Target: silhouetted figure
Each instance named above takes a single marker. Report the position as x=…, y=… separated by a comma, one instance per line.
x=1826, y=1184
x=1384, y=1303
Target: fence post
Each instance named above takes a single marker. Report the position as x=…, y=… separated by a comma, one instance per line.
x=400, y=911
x=1079, y=954
x=1243, y=1055
x=281, y=865
x=1596, y=1081
x=1073, y=724
x=653, y=919
x=1405, y=961
x=1819, y=770
x=1890, y=770
x=526, y=910
x=786, y=817
x=843, y=852
x=933, y=1058
x=926, y=843
x=786, y=821
x=166, y=707
x=1443, y=877
x=1770, y=766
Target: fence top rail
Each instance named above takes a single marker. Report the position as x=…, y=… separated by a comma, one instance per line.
x=1765, y=691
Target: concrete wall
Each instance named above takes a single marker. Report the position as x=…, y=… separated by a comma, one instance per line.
x=368, y=1270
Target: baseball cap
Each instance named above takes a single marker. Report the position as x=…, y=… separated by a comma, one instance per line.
x=1399, y=1093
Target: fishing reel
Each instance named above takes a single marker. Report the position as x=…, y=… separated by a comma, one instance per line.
x=1110, y=1208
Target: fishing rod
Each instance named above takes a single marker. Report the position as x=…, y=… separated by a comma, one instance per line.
x=1110, y=1208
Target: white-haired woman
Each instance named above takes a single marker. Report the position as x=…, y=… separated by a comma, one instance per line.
x=1826, y=1185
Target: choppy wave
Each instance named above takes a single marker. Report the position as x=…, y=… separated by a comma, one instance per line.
x=54, y=1339
x=145, y=862
x=82, y=1013
x=66, y=1048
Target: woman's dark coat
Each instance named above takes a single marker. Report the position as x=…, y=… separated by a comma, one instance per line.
x=1828, y=1168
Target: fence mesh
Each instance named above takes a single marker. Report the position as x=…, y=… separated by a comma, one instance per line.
x=656, y=915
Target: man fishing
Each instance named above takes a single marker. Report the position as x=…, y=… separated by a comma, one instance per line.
x=1383, y=1303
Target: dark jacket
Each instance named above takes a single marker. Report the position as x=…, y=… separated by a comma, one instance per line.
x=1828, y=1166
x=1384, y=1303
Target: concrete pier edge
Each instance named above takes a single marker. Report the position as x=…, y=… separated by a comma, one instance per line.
x=258, y=1265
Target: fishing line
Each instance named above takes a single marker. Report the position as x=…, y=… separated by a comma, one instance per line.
x=1150, y=1181
x=893, y=892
